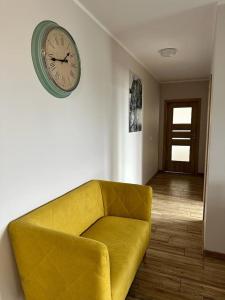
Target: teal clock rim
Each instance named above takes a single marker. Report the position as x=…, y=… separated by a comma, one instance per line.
x=38, y=37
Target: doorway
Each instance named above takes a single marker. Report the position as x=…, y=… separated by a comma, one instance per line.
x=181, y=135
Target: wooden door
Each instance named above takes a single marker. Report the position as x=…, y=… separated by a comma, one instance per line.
x=181, y=135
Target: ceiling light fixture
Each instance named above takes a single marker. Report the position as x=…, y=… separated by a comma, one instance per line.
x=168, y=52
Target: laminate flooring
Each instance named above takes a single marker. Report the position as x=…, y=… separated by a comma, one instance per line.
x=174, y=267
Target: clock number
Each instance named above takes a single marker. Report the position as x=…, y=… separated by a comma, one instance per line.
x=57, y=41
x=50, y=43
x=52, y=66
x=57, y=76
x=72, y=74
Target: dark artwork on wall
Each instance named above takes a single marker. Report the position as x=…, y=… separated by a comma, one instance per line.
x=135, y=104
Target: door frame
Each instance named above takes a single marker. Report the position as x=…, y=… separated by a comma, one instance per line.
x=207, y=146
x=165, y=119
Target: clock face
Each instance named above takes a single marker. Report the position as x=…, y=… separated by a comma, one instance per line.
x=61, y=59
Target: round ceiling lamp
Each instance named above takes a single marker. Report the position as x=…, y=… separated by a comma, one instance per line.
x=168, y=52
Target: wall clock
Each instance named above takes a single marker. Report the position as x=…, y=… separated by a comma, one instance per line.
x=56, y=59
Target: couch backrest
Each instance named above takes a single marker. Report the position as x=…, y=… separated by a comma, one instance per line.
x=73, y=212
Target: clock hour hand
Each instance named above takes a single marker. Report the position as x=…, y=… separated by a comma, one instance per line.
x=62, y=60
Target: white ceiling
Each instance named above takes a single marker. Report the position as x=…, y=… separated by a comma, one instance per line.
x=145, y=26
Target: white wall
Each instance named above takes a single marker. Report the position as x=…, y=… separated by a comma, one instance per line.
x=215, y=185
x=186, y=90
x=151, y=131
x=48, y=145
x=135, y=155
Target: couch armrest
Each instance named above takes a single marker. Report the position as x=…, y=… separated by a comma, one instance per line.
x=126, y=200
x=57, y=266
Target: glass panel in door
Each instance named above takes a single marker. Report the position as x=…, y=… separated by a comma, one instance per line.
x=181, y=130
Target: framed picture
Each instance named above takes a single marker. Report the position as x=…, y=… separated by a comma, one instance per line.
x=135, y=103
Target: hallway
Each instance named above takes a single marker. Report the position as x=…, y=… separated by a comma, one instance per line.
x=174, y=268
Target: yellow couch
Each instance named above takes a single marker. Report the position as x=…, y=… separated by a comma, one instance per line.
x=85, y=245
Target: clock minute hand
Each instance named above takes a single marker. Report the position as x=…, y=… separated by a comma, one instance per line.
x=65, y=59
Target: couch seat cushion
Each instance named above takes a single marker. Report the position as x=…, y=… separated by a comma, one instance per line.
x=127, y=240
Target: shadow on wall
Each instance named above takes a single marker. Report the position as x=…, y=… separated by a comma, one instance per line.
x=9, y=277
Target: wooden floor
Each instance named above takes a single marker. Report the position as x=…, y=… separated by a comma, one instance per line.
x=174, y=268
